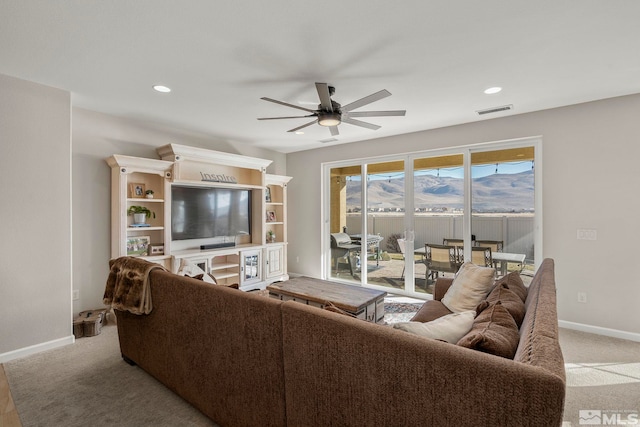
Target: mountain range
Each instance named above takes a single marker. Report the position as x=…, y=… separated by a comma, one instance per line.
x=492, y=193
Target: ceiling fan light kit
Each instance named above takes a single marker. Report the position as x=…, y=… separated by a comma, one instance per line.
x=328, y=119
x=330, y=113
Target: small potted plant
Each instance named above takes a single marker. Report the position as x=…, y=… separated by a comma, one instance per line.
x=149, y=194
x=271, y=236
x=140, y=214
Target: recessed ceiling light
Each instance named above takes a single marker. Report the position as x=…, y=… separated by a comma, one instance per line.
x=161, y=88
x=492, y=90
x=299, y=132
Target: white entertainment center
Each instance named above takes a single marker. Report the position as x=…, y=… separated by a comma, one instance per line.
x=252, y=259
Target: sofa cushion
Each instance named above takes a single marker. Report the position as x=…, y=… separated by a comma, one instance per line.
x=510, y=300
x=449, y=328
x=470, y=286
x=515, y=284
x=494, y=331
x=431, y=310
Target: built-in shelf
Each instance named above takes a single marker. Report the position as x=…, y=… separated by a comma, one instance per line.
x=144, y=228
x=256, y=260
x=145, y=200
x=222, y=276
x=222, y=266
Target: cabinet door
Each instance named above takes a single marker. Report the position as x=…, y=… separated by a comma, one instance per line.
x=251, y=267
x=274, y=261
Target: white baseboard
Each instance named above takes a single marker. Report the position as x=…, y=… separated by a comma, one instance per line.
x=37, y=348
x=614, y=333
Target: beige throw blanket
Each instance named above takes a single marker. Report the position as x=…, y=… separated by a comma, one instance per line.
x=128, y=285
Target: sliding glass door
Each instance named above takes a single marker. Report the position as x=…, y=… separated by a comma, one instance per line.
x=438, y=194
x=386, y=219
x=503, y=206
x=385, y=225
x=345, y=213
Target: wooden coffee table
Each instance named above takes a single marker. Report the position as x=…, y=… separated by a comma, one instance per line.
x=363, y=303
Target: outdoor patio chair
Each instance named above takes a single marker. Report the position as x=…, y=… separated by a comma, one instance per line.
x=440, y=258
x=481, y=256
x=452, y=242
x=457, y=243
x=495, y=245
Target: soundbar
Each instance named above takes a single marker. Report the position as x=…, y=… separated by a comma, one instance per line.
x=217, y=245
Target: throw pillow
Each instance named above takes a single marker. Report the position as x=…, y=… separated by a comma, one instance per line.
x=470, y=286
x=449, y=328
x=494, y=331
x=187, y=268
x=514, y=283
x=329, y=306
x=510, y=300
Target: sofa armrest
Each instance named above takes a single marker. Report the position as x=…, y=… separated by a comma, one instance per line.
x=441, y=287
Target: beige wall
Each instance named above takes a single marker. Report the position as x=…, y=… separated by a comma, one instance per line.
x=590, y=154
x=97, y=136
x=590, y=180
x=35, y=217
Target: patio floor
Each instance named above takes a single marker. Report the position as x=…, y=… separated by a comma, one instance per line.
x=389, y=274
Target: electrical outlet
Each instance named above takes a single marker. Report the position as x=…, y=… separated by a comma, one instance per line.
x=585, y=234
x=76, y=294
x=582, y=297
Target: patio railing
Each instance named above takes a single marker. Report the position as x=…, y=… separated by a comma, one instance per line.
x=516, y=231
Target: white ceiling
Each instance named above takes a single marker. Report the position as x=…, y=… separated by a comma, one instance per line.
x=220, y=57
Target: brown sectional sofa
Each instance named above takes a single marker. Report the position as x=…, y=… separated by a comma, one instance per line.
x=247, y=360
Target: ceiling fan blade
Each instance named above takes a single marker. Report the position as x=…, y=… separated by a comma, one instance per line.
x=325, y=96
x=303, y=126
x=289, y=117
x=359, y=123
x=287, y=104
x=377, y=113
x=367, y=100
x=334, y=130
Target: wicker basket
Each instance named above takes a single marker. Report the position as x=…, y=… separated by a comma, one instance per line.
x=91, y=322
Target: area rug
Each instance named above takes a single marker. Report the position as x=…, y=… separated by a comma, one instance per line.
x=395, y=312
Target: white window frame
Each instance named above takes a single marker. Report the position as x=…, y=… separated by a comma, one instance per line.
x=408, y=158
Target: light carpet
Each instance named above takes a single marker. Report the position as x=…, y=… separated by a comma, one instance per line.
x=88, y=383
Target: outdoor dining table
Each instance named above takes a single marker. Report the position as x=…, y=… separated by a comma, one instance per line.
x=502, y=257
x=506, y=257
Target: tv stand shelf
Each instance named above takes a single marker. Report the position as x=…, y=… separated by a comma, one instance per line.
x=150, y=228
x=145, y=200
x=257, y=258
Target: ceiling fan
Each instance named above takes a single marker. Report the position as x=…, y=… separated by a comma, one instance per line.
x=331, y=114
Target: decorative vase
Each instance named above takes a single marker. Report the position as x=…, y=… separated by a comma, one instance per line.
x=149, y=196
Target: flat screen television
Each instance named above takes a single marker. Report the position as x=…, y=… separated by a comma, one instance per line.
x=202, y=212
